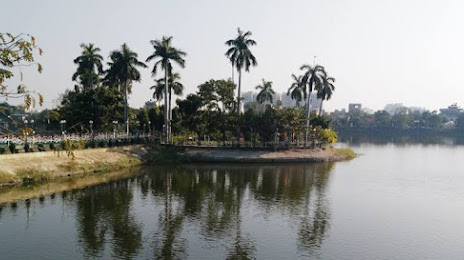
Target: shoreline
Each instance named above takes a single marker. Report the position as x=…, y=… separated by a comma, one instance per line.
x=42, y=167
x=221, y=155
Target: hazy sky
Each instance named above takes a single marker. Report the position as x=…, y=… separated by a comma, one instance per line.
x=380, y=52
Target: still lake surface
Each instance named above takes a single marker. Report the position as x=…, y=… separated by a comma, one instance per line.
x=393, y=202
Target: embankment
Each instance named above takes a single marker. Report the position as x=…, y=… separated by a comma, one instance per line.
x=45, y=166
x=230, y=155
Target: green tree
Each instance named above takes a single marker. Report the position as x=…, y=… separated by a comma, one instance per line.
x=382, y=119
x=15, y=51
x=225, y=91
x=89, y=66
x=209, y=97
x=122, y=72
x=241, y=57
x=325, y=90
x=297, y=91
x=311, y=79
x=101, y=105
x=266, y=92
x=166, y=55
x=174, y=84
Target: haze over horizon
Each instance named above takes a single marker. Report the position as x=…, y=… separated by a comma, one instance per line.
x=380, y=52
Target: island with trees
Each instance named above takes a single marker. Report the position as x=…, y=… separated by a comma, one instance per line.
x=95, y=112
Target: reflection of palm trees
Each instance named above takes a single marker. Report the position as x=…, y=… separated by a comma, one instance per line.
x=167, y=244
x=209, y=198
x=103, y=213
x=315, y=220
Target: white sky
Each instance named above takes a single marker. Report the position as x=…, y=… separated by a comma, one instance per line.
x=395, y=51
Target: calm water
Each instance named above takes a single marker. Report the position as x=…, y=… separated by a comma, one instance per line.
x=393, y=202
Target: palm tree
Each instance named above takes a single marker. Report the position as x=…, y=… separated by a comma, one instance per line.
x=297, y=91
x=122, y=71
x=311, y=80
x=266, y=93
x=87, y=62
x=174, y=84
x=325, y=90
x=166, y=54
x=241, y=57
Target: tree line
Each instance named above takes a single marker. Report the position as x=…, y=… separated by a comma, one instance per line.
x=101, y=92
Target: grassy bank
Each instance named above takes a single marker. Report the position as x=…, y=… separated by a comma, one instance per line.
x=79, y=181
x=345, y=153
x=48, y=166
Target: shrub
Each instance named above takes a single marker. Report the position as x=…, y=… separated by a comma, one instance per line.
x=326, y=136
x=102, y=144
x=12, y=147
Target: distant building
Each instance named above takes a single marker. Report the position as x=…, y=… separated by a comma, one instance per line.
x=339, y=114
x=452, y=112
x=150, y=104
x=281, y=100
x=354, y=108
x=393, y=109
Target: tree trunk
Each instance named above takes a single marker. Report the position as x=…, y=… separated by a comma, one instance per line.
x=126, y=109
x=320, y=107
x=239, y=101
x=308, y=114
x=170, y=114
x=166, y=106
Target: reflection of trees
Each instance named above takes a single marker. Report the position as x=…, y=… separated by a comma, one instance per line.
x=104, y=214
x=208, y=197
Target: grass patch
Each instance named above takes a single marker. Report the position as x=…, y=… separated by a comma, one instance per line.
x=345, y=153
x=8, y=178
x=164, y=155
x=31, y=176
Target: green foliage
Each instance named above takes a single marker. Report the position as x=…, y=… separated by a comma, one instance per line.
x=320, y=121
x=15, y=51
x=266, y=92
x=102, y=105
x=164, y=155
x=399, y=121
x=460, y=121
x=87, y=63
x=345, y=153
x=12, y=147
x=326, y=136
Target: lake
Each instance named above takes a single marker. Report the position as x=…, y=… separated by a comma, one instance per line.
x=395, y=201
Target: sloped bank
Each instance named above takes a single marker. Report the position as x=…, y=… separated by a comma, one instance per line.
x=230, y=155
x=47, y=166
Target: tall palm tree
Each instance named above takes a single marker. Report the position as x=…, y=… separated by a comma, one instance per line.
x=87, y=63
x=297, y=91
x=266, y=92
x=122, y=71
x=311, y=80
x=325, y=90
x=241, y=57
x=166, y=55
x=174, y=85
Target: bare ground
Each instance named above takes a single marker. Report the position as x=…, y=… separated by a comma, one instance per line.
x=237, y=155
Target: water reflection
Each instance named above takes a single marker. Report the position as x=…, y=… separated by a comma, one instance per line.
x=193, y=210
x=104, y=214
x=431, y=139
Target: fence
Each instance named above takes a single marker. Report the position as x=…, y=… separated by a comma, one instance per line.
x=52, y=144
